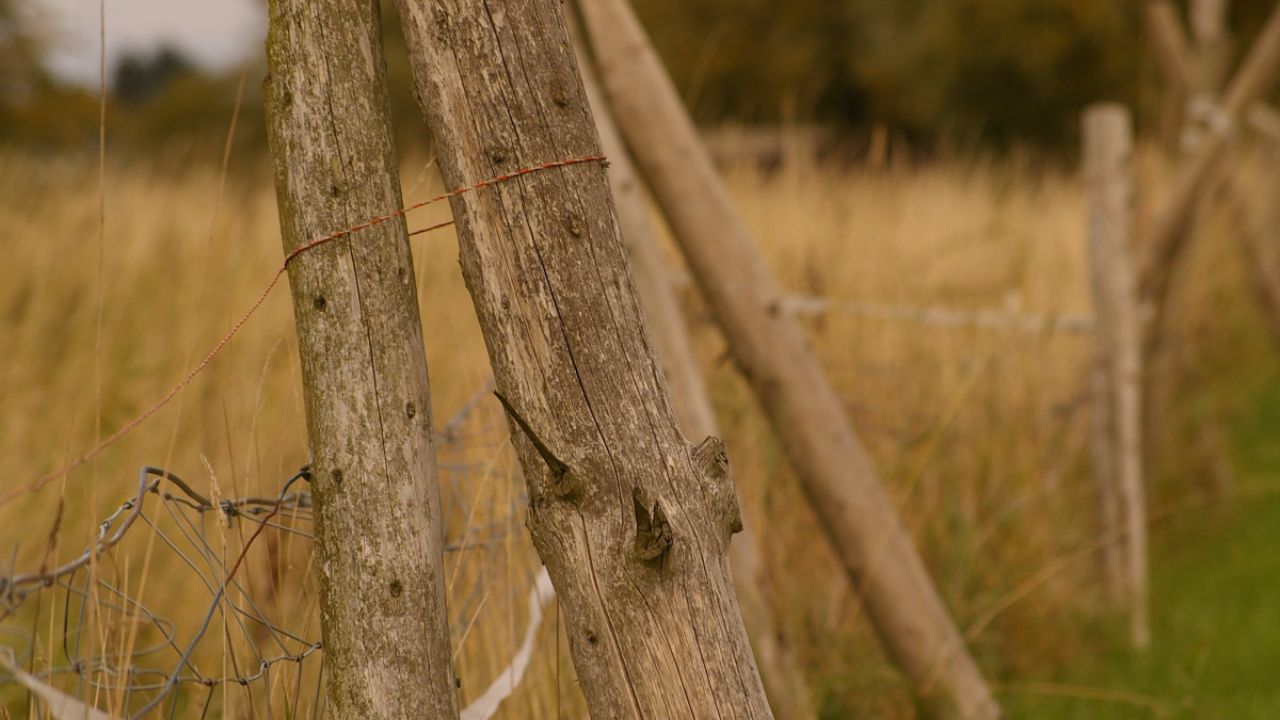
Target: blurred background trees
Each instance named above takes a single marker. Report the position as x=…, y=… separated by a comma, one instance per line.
x=949, y=74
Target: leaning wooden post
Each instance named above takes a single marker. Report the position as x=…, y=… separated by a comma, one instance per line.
x=773, y=352
x=1173, y=57
x=1117, y=408
x=632, y=522
x=1208, y=20
x=784, y=683
x=378, y=528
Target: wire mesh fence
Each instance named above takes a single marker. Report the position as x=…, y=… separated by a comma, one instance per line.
x=236, y=631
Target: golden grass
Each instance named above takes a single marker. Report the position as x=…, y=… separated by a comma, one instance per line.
x=978, y=433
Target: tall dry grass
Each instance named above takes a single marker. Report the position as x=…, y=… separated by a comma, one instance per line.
x=978, y=433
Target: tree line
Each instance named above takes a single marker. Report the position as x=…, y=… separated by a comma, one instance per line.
x=988, y=74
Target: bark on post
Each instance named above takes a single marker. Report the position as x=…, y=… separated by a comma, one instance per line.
x=364, y=370
x=631, y=521
x=1117, y=407
x=773, y=352
x=784, y=683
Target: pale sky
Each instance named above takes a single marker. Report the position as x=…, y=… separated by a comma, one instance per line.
x=215, y=33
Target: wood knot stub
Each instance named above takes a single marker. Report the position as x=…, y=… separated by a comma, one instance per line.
x=653, y=532
x=711, y=461
x=573, y=224
x=443, y=25
x=498, y=155
x=711, y=458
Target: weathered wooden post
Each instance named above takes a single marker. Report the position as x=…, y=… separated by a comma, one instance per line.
x=774, y=354
x=784, y=683
x=1117, y=406
x=364, y=371
x=632, y=522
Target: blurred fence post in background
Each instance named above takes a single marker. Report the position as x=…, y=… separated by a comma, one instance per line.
x=632, y=523
x=364, y=370
x=783, y=680
x=773, y=352
x=1163, y=242
x=1173, y=57
x=1116, y=406
x=1173, y=54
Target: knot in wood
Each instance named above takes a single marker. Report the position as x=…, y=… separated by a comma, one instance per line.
x=712, y=463
x=573, y=223
x=499, y=155
x=653, y=532
x=711, y=458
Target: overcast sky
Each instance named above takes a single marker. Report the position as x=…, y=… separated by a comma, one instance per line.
x=215, y=33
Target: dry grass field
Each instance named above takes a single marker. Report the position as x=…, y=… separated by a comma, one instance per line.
x=980, y=433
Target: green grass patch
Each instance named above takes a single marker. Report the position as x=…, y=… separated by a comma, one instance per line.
x=1215, y=605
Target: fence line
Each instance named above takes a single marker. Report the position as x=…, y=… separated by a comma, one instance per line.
x=941, y=316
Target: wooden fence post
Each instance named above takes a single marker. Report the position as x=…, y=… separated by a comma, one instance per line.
x=373, y=474
x=784, y=683
x=1117, y=407
x=773, y=352
x=632, y=523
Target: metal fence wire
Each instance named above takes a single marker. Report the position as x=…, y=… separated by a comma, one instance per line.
x=86, y=639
